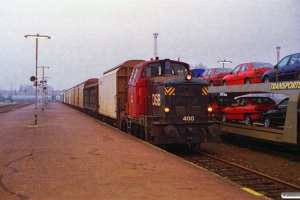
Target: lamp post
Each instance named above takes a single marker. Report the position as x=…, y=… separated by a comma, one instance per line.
x=47, y=88
x=278, y=53
x=224, y=61
x=278, y=57
x=43, y=86
x=37, y=36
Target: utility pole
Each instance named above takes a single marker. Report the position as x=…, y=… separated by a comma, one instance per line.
x=155, y=44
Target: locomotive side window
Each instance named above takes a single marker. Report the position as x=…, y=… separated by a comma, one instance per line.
x=144, y=73
x=133, y=75
x=152, y=70
x=148, y=71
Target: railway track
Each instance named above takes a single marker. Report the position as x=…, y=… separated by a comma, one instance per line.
x=9, y=107
x=254, y=182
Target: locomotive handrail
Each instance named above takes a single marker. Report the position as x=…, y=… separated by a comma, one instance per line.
x=144, y=110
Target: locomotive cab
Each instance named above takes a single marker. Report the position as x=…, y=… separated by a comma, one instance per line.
x=143, y=75
x=165, y=105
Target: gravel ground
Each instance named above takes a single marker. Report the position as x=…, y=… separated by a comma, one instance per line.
x=283, y=167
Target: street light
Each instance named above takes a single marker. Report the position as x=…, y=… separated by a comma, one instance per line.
x=278, y=57
x=37, y=36
x=43, y=86
x=47, y=88
x=278, y=53
x=224, y=61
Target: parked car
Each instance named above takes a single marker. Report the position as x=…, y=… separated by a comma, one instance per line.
x=247, y=73
x=248, y=109
x=288, y=69
x=214, y=76
x=276, y=116
x=218, y=103
x=197, y=72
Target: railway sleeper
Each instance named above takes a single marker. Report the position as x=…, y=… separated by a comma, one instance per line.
x=231, y=175
x=268, y=188
x=255, y=183
x=244, y=178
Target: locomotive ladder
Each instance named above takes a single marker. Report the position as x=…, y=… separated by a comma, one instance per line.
x=129, y=126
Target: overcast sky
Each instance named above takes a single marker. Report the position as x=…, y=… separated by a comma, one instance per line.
x=89, y=37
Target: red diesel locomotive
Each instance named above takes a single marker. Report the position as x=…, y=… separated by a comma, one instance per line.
x=159, y=102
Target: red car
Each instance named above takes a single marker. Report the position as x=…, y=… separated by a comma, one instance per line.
x=218, y=103
x=248, y=109
x=247, y=73
x=214, y=76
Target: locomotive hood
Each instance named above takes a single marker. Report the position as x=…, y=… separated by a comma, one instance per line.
x=167, y=80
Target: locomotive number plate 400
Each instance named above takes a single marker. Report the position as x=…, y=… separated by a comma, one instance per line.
x=188, y=118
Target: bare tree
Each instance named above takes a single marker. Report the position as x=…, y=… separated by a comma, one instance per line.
x=198, y=66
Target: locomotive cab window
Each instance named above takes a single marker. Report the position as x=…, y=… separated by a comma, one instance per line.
x=133, y=75
x=165, y=69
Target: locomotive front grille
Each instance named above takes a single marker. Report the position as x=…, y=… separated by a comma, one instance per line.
x=180, y=110
x=190, y=104
x=196, y=110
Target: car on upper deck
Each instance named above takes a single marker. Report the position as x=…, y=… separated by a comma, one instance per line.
x=197, y=72
x=288, y=69
x=214, y=76
x=247, y=73
x=248, y=109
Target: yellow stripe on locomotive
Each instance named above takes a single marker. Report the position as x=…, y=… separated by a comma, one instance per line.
x=204, y=91
x=169, y=90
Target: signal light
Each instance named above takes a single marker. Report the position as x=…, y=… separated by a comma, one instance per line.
x=166, y=110
x=32, y=78
x=209, y=109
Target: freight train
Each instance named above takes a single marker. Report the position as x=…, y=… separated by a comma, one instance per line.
x=157, y=101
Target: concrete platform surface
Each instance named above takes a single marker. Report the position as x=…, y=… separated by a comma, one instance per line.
x=69, y=155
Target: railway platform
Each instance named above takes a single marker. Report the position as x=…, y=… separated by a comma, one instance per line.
x=69, y=155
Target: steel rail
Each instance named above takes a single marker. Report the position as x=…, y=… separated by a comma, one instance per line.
x=289, y=186
x=10, y=107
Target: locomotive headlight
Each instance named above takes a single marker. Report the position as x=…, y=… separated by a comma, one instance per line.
x=209, y=109
x=166, y=110
x=188, y=77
